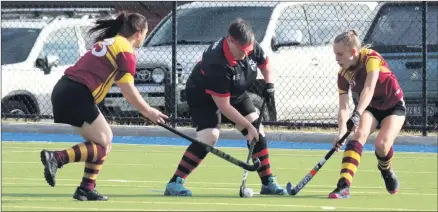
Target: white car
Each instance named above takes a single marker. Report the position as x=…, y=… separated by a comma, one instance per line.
x=295, y=35
x=36, y=50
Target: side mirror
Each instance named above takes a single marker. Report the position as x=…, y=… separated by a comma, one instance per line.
x=47, y=63
x=52, y=60
x=288, y=38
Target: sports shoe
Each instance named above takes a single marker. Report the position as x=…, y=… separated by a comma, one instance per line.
x=88, y=195
x=342, y=191
x=177, y=188
x=51, y=165
x=273, y=188
x=391, y=180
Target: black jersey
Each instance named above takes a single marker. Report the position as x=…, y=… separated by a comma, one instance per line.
x=219, y=74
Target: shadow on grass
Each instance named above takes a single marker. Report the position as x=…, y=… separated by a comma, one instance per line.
x=159, y=195
x=216, y=196
x=35, y=195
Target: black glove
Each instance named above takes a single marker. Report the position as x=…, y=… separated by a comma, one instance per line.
x=268, y=92
x=353, y=120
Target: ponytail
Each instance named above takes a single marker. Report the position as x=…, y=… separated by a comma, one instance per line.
x=109, y=28
x=126, y=24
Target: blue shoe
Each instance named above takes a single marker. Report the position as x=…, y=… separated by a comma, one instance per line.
x=273, y=188
x=177, y=188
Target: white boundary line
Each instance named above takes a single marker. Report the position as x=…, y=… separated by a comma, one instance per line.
x=243, y=153
x=243, y=148
x=221, y=188
x=219, y=204
x=89, y=209
x=216, y=166
x=206, y=183
x=290, y=152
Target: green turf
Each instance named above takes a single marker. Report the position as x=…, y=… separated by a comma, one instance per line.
x=134, y=178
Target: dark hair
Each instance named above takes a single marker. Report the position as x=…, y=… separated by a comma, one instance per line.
x=241, y=31
x=126, y=24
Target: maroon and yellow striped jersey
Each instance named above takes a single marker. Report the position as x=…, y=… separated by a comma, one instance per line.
x=387, y=92
x=110, y=60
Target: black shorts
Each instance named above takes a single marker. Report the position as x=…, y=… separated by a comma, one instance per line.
x=399, y=110
x=209, y=116
x=73, y=103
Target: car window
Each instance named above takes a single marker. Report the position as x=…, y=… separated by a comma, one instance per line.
x=327, y=20
x=320, y=23
x=292, y=22
x=17, y=44
x=64, y=44
x=356, y=16
x=206, y=25
x=401, y=27
x=89, y=39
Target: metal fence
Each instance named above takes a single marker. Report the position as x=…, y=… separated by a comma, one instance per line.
x=297, y=37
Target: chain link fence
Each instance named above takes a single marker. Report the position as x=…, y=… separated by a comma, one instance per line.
x=41, y=39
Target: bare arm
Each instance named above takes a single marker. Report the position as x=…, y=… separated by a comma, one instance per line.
x=223, y=103
x=368, y=91
x=343, y=113
x=267, y=73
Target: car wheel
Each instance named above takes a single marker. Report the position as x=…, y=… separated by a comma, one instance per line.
x=15, y=108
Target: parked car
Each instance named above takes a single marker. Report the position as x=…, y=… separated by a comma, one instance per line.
x=396, y=33
x=296, y=36
x=37, y=46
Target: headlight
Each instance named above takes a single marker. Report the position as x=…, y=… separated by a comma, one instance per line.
x=158, y=75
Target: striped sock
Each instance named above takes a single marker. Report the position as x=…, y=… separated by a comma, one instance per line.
x=261, y=152
x=91, y=171
x=351, y=160
x=86, y=151
x=93, y=154
x=384, y=163
x=192, y=157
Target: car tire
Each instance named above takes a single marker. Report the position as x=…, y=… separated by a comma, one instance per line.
x=15, y=107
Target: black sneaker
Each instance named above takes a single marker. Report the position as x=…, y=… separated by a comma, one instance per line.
x=88, y=195
x=391, y=180
x=342, y=191
x=51, y=165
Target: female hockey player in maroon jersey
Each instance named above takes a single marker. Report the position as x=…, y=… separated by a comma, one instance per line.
x=369, y=77
x=84, y=85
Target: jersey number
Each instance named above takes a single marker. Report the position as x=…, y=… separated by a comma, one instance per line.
x=104, y=49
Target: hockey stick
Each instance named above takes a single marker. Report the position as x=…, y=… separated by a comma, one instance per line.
x=251, y=148
x=217, y=152
x=315, y=170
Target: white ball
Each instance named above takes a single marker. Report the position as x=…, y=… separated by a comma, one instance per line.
x=247, y=192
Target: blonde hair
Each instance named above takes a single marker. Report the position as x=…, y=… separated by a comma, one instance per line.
x=351, y=39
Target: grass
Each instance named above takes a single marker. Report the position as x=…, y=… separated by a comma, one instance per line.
x=134, y=178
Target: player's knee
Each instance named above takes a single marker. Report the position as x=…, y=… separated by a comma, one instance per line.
x=382, y=144
x=104, y=139
x=360, y=135
x=208, y=136
x=252, y=117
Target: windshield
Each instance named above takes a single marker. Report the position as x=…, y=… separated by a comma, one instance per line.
x=207, y=25
x=17, y=44
x=326, y=20
x=401, y=27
